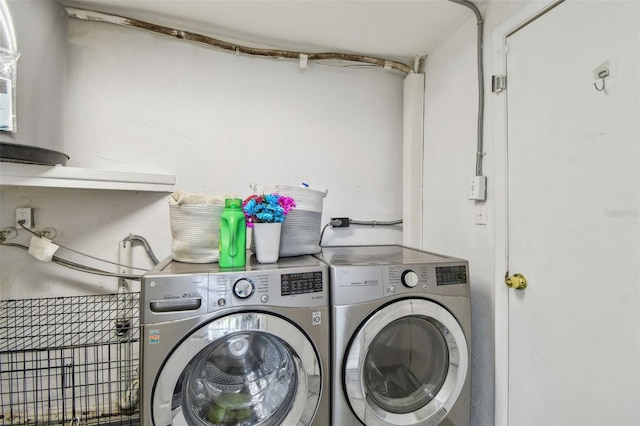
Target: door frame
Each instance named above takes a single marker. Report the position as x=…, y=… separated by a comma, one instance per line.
x=501, y=262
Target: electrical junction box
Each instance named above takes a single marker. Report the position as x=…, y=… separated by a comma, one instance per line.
x=478, y=188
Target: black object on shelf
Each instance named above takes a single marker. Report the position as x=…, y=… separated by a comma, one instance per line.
x=16, y=153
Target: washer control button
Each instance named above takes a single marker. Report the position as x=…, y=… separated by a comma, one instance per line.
x=264, y=298
x=392, y=289
x=410, y=278
x=243, y=288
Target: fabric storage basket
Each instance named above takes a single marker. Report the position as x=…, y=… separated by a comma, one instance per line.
x=195, y=227
x=302, y=226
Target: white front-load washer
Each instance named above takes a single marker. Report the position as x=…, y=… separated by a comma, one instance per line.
x=401, y=336
x=242, y=347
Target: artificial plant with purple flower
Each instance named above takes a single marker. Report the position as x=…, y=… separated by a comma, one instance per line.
x=269, y=208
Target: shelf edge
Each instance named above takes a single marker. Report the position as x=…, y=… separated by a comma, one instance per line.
x=15, y=174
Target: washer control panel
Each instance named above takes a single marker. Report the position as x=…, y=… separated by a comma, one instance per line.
x=174, y=290
x=301, y=287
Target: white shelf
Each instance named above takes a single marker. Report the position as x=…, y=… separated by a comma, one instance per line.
x=14, y=174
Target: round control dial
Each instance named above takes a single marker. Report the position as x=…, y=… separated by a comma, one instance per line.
x=243, y=288
x=410, y=278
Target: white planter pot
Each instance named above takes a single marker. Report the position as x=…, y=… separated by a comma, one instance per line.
x=267, y=241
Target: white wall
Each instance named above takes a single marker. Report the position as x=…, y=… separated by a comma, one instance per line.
x=139, y=102
x=449, y=163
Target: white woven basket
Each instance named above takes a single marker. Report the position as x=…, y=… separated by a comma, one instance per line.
x=302, y=226
x=195, y=229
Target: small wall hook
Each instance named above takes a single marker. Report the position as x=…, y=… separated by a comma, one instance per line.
x=602, y=74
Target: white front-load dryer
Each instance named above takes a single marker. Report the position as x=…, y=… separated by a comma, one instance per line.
x=243, y=347
x=401, y=334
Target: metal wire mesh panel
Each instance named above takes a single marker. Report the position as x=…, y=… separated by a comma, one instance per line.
x=70, y=360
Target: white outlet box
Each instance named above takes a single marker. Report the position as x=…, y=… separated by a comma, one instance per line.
x=25, y=214
x=481, y=214
x=478, y=188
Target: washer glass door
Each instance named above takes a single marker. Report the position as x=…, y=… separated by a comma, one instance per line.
x=406, y=365
x=242, y=369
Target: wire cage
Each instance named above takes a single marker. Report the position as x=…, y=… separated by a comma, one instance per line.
x=70, y=360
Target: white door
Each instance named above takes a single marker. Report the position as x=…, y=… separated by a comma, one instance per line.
x=573, y=212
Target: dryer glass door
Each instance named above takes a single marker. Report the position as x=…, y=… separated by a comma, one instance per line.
x=406, y=365
x=242, y=369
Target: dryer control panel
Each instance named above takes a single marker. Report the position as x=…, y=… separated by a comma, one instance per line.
x=363, y=283
x=427, y=278
x=364, y=273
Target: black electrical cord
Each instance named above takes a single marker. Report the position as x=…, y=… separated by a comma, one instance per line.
x=372, y=223
x=322, y=233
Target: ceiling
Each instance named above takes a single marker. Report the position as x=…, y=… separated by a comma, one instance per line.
x=393, y=29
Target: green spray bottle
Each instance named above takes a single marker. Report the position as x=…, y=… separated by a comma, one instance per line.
x=233, y=235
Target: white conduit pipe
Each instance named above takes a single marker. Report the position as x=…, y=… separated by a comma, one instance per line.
x=480, y=43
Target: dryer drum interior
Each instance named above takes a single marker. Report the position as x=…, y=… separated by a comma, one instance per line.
x=406, y=364
x=246, y=378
